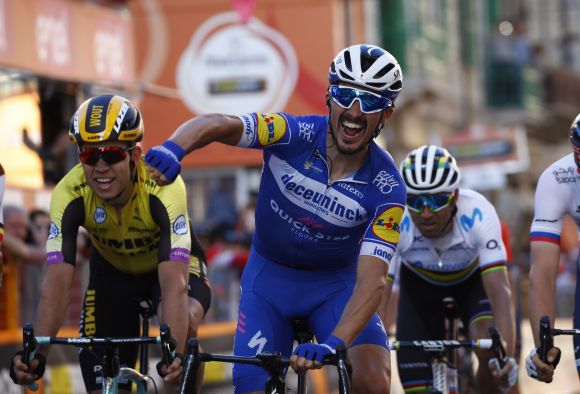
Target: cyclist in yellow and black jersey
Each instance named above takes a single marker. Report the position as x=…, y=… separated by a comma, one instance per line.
x=143, y=246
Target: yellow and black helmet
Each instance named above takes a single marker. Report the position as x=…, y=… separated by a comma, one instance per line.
x=106, y=118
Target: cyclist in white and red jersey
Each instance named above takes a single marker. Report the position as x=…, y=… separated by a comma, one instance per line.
x=557, y=195
x=2, y=187
x=450, y=246
x=327, y=220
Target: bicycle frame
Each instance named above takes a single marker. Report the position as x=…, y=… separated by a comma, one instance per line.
x=273, y=363
x=111, y=369
x=445, y=374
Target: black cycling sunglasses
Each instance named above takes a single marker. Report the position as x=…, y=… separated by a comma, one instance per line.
x=110, y=155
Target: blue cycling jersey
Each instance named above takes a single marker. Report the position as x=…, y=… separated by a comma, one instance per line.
x=305, y=220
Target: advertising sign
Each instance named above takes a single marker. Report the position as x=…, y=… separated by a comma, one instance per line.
x=235, y=67
x=487, y=153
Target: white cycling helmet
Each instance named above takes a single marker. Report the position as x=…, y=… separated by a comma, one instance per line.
x=430, y=170
x=575, y=133
x=368, y=66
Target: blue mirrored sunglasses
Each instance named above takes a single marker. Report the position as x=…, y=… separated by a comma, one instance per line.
x=369, y=102
x=435, y=202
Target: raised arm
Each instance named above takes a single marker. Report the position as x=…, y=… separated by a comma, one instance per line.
x=205, y=129
x=164, y=161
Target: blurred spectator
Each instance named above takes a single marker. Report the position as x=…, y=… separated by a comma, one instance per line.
x=16, y=233
x=20, y=256
x=246, y=218
x=33, y=271
x=221, y=210
x=511, y=51
x=227, y=258
x=53, y=157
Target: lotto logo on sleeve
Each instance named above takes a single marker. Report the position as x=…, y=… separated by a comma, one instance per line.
x=387, y=226
x=271, y=128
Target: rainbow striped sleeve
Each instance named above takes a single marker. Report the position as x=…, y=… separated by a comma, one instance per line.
x=493, y=267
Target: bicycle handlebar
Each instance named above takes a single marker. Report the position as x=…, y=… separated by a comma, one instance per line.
x=546, y=338
x=29, y=345
x=439, y=346
x=30, y=342
x=442, y=345
x=273, y=362
x=168, y=344
x=497, y=347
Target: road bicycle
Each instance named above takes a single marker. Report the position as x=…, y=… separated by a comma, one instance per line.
x=112, y=372
x=274, y=363
x=442, y=353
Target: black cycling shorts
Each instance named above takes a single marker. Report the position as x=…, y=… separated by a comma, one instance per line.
x=111, y=309
x=420, y=316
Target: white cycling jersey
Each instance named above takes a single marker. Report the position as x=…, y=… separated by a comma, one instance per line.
x=557, y=194
x=2, y=188
x=473, y=243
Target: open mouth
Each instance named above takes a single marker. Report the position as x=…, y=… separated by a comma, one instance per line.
x=104, y=183
x=351, y=128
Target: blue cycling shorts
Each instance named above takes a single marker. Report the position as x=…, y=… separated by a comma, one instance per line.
x=273, y=296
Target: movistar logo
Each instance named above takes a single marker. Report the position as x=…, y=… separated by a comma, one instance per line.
x=328, y=203
x=467, y=222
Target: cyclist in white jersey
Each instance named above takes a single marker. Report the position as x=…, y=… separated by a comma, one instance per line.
x=557, y=195
x=2, y=187
x=450, y=246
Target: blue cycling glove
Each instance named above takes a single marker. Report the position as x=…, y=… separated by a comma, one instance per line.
x=317, y=352
x=166, y=158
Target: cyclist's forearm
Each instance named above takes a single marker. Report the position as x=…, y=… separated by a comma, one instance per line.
x=359, y=309
x=205, y=129
x=173, y=281
x=504, y=317
x=175, y=314
x=362, y=304
x=54, y=301
x=383, y=309
x=543, y=272
x=542, y=296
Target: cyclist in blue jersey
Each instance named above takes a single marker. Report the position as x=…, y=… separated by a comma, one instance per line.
x=327, y=219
